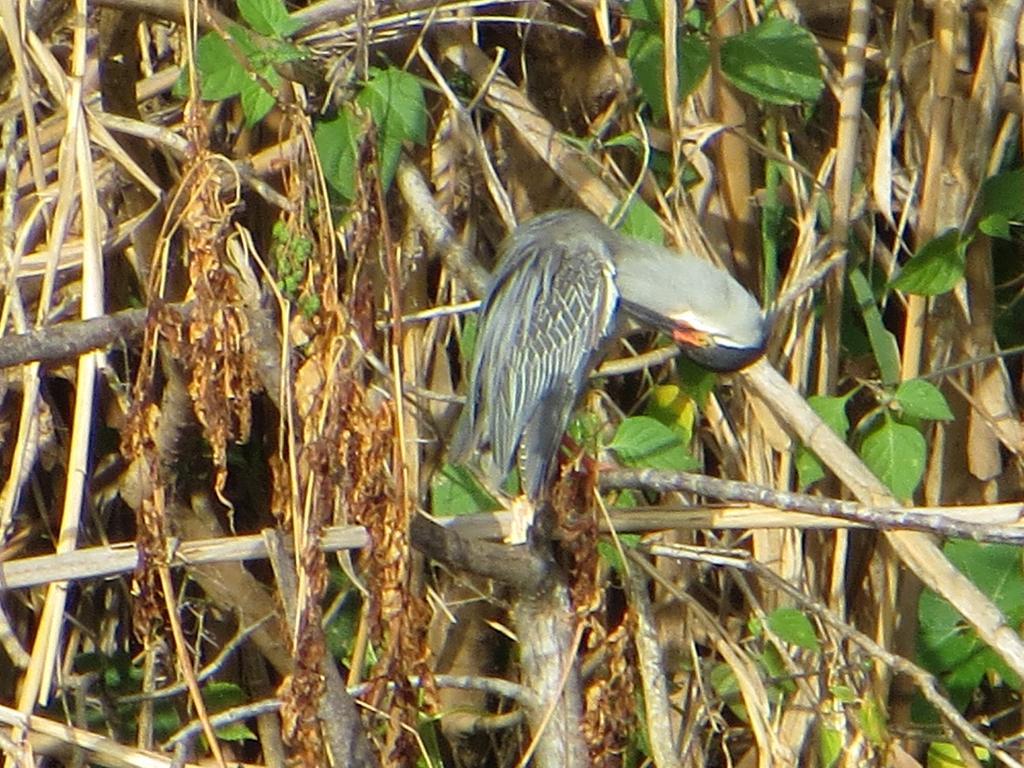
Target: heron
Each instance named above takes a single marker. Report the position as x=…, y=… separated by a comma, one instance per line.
x=557, y=297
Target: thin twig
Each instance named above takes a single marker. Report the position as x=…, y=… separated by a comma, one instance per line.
x=206, y=672
x=884, y=518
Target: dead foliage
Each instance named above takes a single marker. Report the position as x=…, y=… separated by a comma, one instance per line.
x=297, y=367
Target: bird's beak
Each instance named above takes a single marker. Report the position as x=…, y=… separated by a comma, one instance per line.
x=690, y=337
x=714, y=353
x=702, y=346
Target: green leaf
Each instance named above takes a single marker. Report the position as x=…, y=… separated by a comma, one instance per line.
x=627, y=499
x=873, y=721
x=947, y=645
x=646, y=54
x=394, y=99
x=922, y=400
x=219, y=696
x=609, y=553
x=781, y=683
x=628, y=140
x=936, y=268
x=220, y=74
x=337, y=143
x=585, y=429
x=1001, y=201
x=774, y=224
x=883, y=343
x=793, y=626
x=995, y=225
x=166, y=720
x=831, y=744
x=896, y=454
x=809, y=468
x=235, y=732
x=642, y=222
x=647, y=12
x=698, y=382
x=832, y=410
x=454, y=492
x=467, y=341
x=774, y=664
x=256, y=101
x=641, y=441
x=246, y=43
x=942, y=754
x=674, y=408
x=776, y=61
x=694, y=61
x=181, y=84
x=723, y=681
x=755, y=626
x=117, y=671
x=90, y=661
x=996, y=569
x=276, y=52
x=268, y=17
x=844, y=694
x=342, y=629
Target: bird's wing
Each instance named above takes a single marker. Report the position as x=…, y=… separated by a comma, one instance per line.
x=546, y=316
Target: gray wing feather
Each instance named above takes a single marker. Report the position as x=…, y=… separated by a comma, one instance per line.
x=546, y=316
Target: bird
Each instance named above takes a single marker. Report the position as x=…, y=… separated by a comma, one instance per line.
x=563, y=284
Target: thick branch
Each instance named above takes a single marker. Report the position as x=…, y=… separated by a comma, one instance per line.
x=517, y=567
x=66, y=341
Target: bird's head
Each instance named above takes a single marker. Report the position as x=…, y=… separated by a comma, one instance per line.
x=713, y=318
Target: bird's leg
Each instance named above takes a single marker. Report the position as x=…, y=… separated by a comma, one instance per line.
x=521, y=514
x=523, y=511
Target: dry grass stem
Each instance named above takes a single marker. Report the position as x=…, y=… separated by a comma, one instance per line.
x=241, y=253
